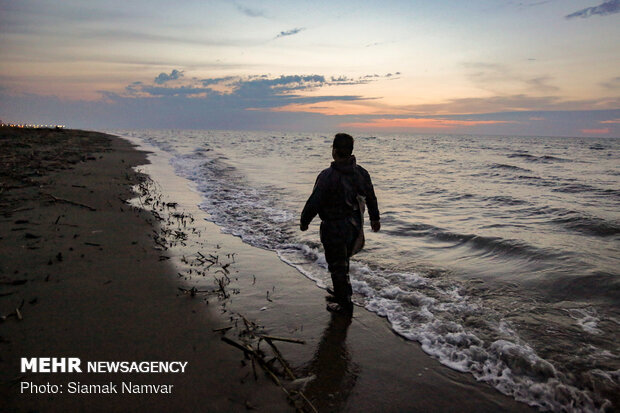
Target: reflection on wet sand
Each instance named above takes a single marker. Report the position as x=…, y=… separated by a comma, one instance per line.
x=335, y=373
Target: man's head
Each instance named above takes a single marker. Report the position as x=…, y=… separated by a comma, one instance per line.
x=342, y=146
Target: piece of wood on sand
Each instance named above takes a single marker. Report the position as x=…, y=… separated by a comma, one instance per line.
x=67, y=201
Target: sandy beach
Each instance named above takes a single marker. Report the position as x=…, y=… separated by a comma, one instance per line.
x=85, y=273
x=88, y=283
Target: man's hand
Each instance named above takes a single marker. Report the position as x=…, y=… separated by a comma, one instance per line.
x=375, y=225
x=303, y=227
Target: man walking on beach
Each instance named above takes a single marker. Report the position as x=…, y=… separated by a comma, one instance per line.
x=339, y=196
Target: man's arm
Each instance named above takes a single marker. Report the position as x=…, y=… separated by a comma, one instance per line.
x=312, y=204
x=371, y=202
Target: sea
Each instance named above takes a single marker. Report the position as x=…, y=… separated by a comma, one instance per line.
x=499, y=255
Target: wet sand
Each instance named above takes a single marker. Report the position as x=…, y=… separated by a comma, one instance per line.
x=96, y=278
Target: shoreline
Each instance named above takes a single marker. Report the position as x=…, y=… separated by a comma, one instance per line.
x=383, y=371
x=121, y=301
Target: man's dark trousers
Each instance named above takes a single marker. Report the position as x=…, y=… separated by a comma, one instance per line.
x=338, y=238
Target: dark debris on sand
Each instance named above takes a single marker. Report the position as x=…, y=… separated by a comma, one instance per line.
x=172, y=232
x=27, y=158
x=26, y=154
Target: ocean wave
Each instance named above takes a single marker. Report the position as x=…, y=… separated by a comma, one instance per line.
x=588, y=224
x=434, y=313
x=489, y=245
x=568, y=186
x=508, y=167
x=534, y=180
x=577, y=188
x=573, y=220
x=538, y=159
x=504, y=200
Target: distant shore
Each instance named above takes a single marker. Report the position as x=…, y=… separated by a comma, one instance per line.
x=84, y=273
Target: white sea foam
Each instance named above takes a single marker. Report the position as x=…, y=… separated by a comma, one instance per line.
x=587, y=319
x=456, y=329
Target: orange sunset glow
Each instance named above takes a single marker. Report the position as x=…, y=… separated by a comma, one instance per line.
x=419, y=123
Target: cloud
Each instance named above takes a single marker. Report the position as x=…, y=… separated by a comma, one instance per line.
x=555, y=123
x=163, y=77
x=418, y=123
x=137, y=36
x=249, y=11
x=290, y=32
x=260, y=92
x=173, y=91
x=612, y=83
x=540, y=84
x=498, y=78
x=603, y=131
x=53, y=13
x=273, y=91
x=216, y=80
x=603, y=9
x=345, y=80
x=133, y=88
x=528, y=4
x=507, y=103
x=362, y=80
x=610, y=121
x=284, y=84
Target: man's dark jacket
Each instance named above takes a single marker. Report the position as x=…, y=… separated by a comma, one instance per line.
x=336, y=191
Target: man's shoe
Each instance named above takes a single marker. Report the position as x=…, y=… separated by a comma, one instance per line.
x=330, y=299
x=340, y=308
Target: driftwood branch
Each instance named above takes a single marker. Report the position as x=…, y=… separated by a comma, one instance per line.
x=287, y=340
x=283, y=362
x=255, y=357
x=223, y=329
x=67, y=201
x=237, y=345
x=193, y=291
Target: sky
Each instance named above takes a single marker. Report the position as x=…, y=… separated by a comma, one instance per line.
x=528, y=68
